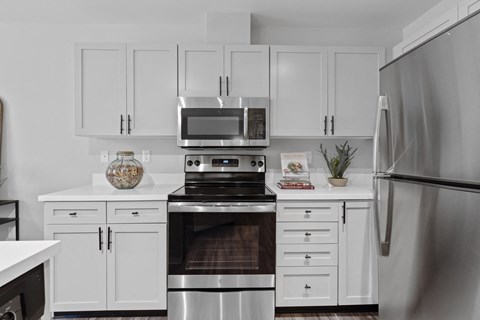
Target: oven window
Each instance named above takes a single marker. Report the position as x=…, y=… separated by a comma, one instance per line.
x=221, y=243
x=212, y=123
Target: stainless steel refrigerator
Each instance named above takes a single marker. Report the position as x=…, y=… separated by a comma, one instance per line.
x=427, y=179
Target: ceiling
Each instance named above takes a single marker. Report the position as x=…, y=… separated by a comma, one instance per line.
x=265, y=13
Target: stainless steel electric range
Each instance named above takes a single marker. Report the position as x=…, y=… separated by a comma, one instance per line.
x=221, y=247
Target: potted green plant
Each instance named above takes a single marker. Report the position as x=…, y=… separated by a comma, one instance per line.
x=338, y=163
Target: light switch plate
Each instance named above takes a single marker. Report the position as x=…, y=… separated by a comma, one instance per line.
x=145, y=155
x=309, y=156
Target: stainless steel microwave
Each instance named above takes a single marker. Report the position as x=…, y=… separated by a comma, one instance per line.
x=223, y=122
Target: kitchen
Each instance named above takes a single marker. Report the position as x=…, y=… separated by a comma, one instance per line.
x=40, y=147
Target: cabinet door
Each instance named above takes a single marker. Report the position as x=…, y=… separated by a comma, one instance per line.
x=137, y=269
x=151, y=90
x=306, y=286
x=200, y=71
x=429, y=31
x=78, y=273
x=100, y=89
x=247, y=71
x=298, y=90
x=353, y=78
x=467, y=7
x=357, y=263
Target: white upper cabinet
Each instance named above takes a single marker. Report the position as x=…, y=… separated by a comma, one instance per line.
x=353, y=84
x=100, y=87
x=298, y=90
x=125, y=90
x=428, y=31
x=318, y=91
x=467, y=7
x=151, y=90
x=217, y=70
x=247, y=71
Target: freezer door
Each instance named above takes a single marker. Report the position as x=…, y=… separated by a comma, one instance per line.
x=432, y=267
x=434, y=103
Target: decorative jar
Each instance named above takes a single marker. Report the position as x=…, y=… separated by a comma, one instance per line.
x=125, y=172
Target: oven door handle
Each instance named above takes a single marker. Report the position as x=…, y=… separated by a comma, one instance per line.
x=205, y=207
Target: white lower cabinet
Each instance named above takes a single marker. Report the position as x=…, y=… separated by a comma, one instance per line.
x=136, y=267
x=78, y=273
x=307, y=253
x=357, y=263
x=324, y=263
x=109, y=266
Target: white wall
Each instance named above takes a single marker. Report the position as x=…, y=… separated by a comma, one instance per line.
x=37, y=86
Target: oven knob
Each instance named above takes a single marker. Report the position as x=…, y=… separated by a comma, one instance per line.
x=197, y=163
x=260, y=164
x=253, y=163
x=189, y=163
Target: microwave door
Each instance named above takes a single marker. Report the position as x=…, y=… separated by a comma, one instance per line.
x=212, y=127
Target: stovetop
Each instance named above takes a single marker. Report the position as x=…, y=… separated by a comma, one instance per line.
x=234, y=193
x=234, y=178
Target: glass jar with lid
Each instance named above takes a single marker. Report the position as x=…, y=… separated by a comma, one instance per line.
x=125, y=172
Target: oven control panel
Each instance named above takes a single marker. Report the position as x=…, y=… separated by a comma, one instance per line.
x=225, y=163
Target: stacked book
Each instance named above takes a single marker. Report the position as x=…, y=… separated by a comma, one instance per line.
x=295, y=172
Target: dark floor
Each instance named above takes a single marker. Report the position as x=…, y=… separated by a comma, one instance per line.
x=286, y=316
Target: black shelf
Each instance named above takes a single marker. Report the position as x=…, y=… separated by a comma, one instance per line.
x=8, y=220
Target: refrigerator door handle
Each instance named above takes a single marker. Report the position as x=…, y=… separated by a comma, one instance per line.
x=383, y=244
x=383, y=108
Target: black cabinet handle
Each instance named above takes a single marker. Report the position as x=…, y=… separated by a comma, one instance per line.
x=129, y=124
x=109, y=238
x=121, y=124
x=227, y=87
x=307, y=234
x=135, y=213
x=333, y=125
x=344, y=216
x=220, y=86
x=307, y=257
x=100, y=242
x=308, y=211
x=325, y=125
x=307, y=287
x=72, y=214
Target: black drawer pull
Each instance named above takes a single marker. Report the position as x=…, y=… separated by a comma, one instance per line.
x=307, y=287
x=308, y=211
x=307, y=257
x=72, y=214
x=307, y=234
x=135, y=213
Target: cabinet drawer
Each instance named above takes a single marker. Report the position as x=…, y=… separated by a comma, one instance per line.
x=307, y=232
x=307, y=211
x=306, y=286
x=307, y=255
x=74, y=212
x=136, y=211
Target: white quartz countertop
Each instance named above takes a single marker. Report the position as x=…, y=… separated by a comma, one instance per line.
x=324, y=193
x=154, y=192
x=19, y=257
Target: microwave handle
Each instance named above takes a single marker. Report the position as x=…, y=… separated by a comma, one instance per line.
x=245, y=123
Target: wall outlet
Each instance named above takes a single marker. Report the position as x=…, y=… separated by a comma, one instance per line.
x=145, y=155
x=309, y=156
x=104, y=156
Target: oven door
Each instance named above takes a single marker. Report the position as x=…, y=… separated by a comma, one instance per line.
x=221, y=245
